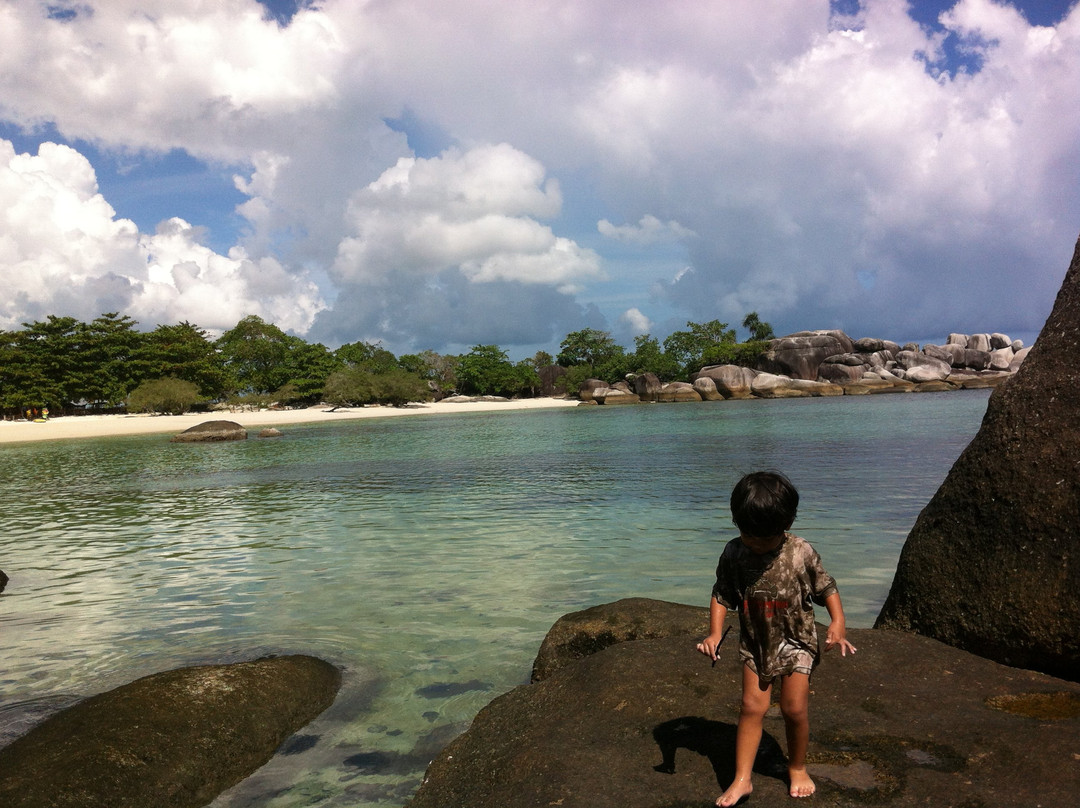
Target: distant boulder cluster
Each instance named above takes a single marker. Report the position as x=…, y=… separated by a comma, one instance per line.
x=830, y=363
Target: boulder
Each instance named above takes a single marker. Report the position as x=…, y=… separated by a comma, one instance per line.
x=869, y=345
x=839, y=373
x=647, y=386
x=1001, y=358
x=552, y=380
x=992, y=564
x=799, y=355
x=919, y=367
x=651, y=722
x=769, y=385
x=1018, y=359
x=611, y=395
x=210, y=431
x=976, y=359
x=588, y=388
x=979, y=342
x=678, y=391
x=270, y=432
x=177, y=738
x=998, y=341
x=731, y=381
x=3, y=581
x=957, y=339
x=852, y=359
x=706, y=388
x=1017, y=344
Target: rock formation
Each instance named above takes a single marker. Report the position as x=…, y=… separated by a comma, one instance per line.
x=210, y=431
x=649, y=722
x=830, y=363
x=992, y=564
x=177, y=738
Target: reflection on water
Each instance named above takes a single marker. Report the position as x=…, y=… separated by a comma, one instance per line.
x=426, y=556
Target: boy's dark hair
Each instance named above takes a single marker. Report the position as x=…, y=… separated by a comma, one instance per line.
x=763, y=504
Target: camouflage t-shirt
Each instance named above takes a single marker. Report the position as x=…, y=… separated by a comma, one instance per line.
x=774, y=594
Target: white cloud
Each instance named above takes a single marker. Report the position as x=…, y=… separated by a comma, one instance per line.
x=62, y=250
x=470, y=210
x=633, y=321
x=790, y=158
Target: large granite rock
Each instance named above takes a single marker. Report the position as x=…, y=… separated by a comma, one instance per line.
x=650, y=723
x=210, y=431
x=800, y=354
x=177, y=738
x=992, y=564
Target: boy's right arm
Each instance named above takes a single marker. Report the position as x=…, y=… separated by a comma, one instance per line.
x=717, y=615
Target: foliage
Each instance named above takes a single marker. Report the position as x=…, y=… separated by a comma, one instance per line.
x=367, y=356
x=588, y=347
x=688, y=347
x=254, y=353
x=354, y=387
x=170, y=396
x=744, y=354
x=486, y=370
x=186, y=352
x=649, y=357
x=433, y=367
x=759, y=331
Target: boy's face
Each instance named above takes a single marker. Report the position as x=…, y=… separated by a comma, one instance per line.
x=759, y=545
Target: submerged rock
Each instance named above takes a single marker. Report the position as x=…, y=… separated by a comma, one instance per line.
x=177, y=738
x=211, y=431
x=992, y=564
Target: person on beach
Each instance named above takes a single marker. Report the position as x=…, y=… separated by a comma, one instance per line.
x=772, y=578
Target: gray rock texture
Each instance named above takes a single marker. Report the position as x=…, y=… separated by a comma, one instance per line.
x=651, y=723
x=992, y=564
x=798, y=355
x=210, y=431
x=177, y=738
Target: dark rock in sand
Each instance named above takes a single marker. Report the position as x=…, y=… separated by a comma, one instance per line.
x=3, y=580
x=992, y=564
x=177, y=738
x=650, y=723
x=211, y=431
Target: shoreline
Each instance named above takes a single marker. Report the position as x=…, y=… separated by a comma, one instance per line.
x=70, y=427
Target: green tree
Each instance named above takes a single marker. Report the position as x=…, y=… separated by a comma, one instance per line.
x=42, y=367
x=649, y=357
x=254, y=353
x=307, y=366
x=170, y=396
x=186, y=352
x=759, y=330
x=588, y=347
x=399, y=387
x=690, y=348
x=369, y=356
x=113, y=359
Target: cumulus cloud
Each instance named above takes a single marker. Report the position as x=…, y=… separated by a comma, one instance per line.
x=635, y=322
x=63, y=250
x=823, y=171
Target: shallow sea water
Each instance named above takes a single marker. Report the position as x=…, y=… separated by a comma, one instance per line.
x=426, y=556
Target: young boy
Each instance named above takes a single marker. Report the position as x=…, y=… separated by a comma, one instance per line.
x=772, y=578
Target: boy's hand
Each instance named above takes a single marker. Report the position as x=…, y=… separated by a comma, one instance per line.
x=711, y=645
x=837, y=636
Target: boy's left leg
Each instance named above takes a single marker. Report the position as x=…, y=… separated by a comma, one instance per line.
x=794, y=704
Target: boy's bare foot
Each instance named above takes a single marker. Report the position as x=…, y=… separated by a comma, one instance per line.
x=801, y=784
x=736, y=793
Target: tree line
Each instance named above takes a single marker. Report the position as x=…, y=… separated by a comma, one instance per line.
x=109, y=365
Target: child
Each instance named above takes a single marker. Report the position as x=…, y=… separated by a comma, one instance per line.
x=772, y=578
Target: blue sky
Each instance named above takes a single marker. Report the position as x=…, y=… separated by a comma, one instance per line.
x=436, y=175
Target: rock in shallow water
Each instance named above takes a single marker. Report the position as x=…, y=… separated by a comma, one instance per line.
x=210, y=431
x=171, y=740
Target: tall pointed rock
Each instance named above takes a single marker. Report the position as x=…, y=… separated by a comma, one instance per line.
x=992, y=564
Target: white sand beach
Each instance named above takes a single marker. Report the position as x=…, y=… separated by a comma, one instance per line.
x=99, y=426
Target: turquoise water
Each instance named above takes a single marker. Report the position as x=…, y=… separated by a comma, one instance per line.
x=426, y=556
